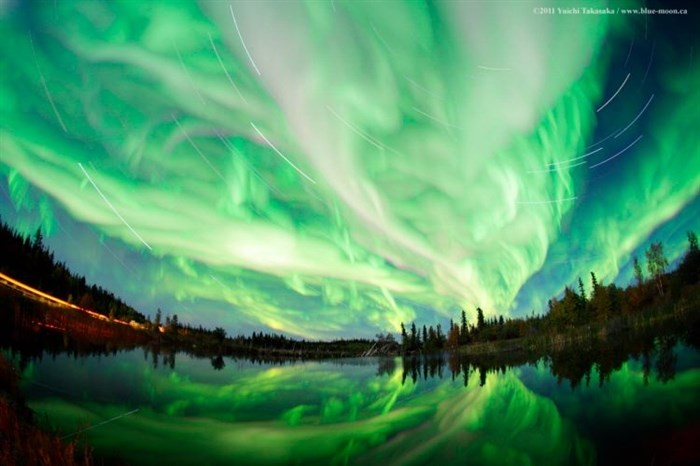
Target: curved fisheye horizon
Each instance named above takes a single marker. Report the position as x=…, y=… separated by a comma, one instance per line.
x=333, y=169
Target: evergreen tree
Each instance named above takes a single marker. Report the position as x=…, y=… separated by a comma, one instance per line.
x=581, y=290
x=689, y=269
x=598, y=307
x=638, y=274
x=692, y=242
x=464, y=332
x=220, y=335
x=564, y=312
x=404, y=337
x=479, y=318
x=432, y=339
x=582, y=301
x=174, y=323
x=38, y=242
x=613, y=294
x=594, y=283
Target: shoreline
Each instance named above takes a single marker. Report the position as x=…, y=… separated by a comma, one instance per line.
x=41, y=317
x=22, y=439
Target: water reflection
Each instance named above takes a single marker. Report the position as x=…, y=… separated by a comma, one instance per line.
x=156, y=406
x=318, y=412
x=574, y=365
x=581, y=364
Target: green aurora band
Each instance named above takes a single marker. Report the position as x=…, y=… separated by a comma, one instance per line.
x=325, y=168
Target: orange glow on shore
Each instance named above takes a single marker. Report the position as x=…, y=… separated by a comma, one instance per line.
x=33, y=293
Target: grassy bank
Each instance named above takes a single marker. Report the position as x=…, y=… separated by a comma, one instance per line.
x=21, y=441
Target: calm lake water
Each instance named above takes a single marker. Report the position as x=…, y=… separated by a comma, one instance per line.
x=178, y=409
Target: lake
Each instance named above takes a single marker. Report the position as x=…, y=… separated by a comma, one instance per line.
x=146, y=408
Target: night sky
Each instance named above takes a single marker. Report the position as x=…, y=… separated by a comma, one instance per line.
x=329, y=169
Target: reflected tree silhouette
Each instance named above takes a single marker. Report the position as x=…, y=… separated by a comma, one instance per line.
x=575, y=365
x=386, y=366
x=666, y=359
x=217, y=362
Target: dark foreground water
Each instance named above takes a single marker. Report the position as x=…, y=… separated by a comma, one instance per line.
x=151, y=409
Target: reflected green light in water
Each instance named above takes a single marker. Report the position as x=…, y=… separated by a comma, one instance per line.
x=625, y=399
x=500, y=423
x=314, y=413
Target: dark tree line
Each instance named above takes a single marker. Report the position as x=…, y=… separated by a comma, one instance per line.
x=576, y=308
x=577, y=365
x=429, y=339
x=28, y=260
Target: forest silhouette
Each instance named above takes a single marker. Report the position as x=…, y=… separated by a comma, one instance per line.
x=576, y=317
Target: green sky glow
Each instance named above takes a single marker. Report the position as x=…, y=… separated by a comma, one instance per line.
x=324, y=167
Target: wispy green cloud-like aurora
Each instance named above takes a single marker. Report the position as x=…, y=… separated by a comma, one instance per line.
x=325, y=168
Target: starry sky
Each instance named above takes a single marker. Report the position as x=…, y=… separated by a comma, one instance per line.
x=330, y=169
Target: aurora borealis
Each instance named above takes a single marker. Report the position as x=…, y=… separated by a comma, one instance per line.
x=327, y=169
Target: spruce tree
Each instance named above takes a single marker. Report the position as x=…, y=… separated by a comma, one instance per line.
x=464, y=333
x=638, y=274
x=479, y=318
